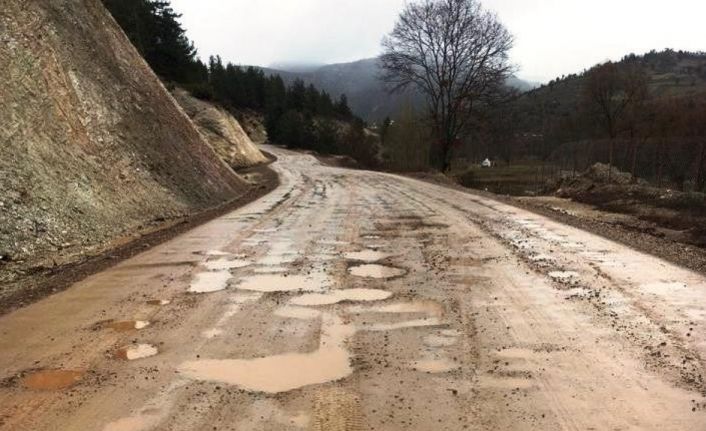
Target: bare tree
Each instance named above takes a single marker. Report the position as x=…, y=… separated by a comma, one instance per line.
x=455, y=53
x=615, y=93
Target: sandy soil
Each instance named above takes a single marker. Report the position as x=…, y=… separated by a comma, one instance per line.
x=350, y=300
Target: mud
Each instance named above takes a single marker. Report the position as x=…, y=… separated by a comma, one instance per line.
x=343, y=295
x=52, y=380
x=376, y=271
x=128, y=325
x=367, y=255
x=476, y=333
x=209, y=282
x=284, y=283
x=138, y=351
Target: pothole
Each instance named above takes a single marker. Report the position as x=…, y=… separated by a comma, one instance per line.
x=127, y=325
x=282, y=283
x=226, y=264
x=51, y=380
x=426, y=307
x=282, y=373
x=367, y=256
x=138, y=351
x=376, y=271
x=214, y=253
x=270, y=270
x=208, y=282
x=336, y=296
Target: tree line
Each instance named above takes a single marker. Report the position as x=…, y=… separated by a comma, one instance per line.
x=298, y=116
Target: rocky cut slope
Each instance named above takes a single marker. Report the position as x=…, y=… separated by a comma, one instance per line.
x=222, y=131
x=93, y=145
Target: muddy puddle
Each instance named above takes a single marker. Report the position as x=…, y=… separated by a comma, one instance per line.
x=394, y=326
x=278, y=259
x=208, y=282
x=127, y=325
x=367, y=256
x=282, y=373
x=137, y=351
x=343, y=295
x=214, y=253
x=314, y=282
x=51, y=380
x=425, y=307
x=270, y=270
x=376, y=271
x=226, y=264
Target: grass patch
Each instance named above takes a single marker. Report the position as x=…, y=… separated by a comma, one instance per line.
x=520, y=179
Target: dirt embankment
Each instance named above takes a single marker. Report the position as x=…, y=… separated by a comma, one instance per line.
x=222, y=131
x=666, y=223
x=94, y=146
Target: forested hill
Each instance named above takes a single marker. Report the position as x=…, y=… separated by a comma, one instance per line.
x=669, y=74
x=360, y=82
x=295, y=114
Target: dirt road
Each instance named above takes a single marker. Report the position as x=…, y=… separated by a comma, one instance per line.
x=349, y=300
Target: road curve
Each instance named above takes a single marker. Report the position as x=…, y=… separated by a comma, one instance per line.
x=352, y=300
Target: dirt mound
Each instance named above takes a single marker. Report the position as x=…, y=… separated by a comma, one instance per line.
x=94, y=147
x=222, y=131
x=683, y=212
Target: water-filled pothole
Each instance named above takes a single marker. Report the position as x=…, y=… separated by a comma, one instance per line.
x=137, y=351
x=336, y=296
x=226, y=264
x=376, y=271
x=426, y=307
x=127, y=325
x=282, y=373
x=51, y=380
x=367, y=256
x=314, y=282
x=208, y=282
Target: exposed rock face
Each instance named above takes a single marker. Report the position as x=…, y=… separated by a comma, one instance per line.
x=93, y=145
x=222, y=131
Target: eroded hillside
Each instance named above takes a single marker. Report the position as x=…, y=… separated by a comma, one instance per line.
x=222, y=131
x=93, y=145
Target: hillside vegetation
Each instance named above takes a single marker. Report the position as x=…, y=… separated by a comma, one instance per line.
x=646, y=115
x=93, y=144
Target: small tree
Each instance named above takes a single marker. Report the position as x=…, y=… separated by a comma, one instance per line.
x=455, y=53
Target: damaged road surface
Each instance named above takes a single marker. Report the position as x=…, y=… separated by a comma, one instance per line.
x=350, y=300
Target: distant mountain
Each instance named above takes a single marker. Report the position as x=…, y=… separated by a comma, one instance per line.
x=295, y=67
x=359, y=81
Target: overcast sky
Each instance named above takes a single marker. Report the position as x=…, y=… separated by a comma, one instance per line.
x=553, y=37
